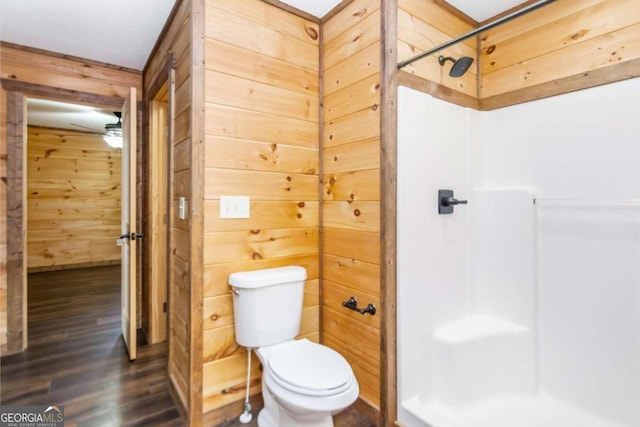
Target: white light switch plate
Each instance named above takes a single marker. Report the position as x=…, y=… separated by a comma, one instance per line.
x=234, y=206
x=182, y=208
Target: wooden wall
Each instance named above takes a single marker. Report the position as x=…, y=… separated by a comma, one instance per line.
x=73, y=199
x=424, y=24
x=3, y=219
x=54, y=73
x=262, y=141
x=177, y=41
x=351, y=189
x=566, y=45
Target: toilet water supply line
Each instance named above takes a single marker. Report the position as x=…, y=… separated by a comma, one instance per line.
x=246, y=416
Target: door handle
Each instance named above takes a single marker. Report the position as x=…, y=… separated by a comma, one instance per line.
x=132, y=236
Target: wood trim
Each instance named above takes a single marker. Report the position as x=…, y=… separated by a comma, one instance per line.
x=74, y=96
x=478, y=67
x=161, y=78
x=85, y=61
x=16, y=195
x=16, y=223
x=337, y=9
x=321, y=181
x=72, y=266
x=197, y=212
x=177, y=399
x=388, y=211
x=610, y=74
x=162, y=35
x=457, y=12
x=293, y=10
x=436, y=90
x=165, y=76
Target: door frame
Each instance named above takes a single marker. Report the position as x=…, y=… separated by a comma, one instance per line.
x=158, y=294
x=17, y=93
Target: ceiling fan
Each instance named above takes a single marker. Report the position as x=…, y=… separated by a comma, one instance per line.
x=113, y=132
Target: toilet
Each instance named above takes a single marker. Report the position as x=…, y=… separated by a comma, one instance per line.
x=303, y=383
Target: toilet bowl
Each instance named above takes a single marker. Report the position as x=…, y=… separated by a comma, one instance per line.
x=304, y=384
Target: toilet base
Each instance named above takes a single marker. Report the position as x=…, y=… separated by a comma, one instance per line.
x=287, y=420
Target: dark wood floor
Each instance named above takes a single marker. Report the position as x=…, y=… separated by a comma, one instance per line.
x=76, y=358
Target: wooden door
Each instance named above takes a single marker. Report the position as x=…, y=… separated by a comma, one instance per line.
x=129, y=236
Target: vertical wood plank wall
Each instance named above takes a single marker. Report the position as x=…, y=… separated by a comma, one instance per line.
x=73, y=199
x=578, y=40
x=351, y=189
x=177, y=40
x=262, y=141
x=56, y=71
x=424, y=24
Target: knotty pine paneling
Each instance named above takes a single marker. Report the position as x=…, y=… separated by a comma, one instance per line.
x=57, y=72
x=423, y=25
x=176, y=40
x=262, y=113
x=561, y=40
x=351, y=188
x=73, y=196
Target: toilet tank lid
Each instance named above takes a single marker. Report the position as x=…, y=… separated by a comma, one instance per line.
x=267, y=277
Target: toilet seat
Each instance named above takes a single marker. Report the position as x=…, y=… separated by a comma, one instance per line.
x=309, y=369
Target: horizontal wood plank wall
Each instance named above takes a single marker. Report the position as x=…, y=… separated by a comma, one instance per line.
x=73, y=199
x=54, y=70
x=262, y=141
x=177, y=41
x=424, y=24
x=351, y=189
x=564, y=40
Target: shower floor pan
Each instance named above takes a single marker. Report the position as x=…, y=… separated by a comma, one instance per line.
x=505, y=411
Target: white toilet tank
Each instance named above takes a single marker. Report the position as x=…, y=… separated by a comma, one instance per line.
x=267, y=305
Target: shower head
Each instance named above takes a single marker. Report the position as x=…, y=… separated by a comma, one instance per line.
x=460, y=66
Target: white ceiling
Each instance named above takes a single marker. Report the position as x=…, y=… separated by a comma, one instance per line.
x=317, y=8
x=119, y=32
x=481, y=10
x=61, y=115
x=123, y=32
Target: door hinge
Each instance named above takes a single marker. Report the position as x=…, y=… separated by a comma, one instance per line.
x=164, y=307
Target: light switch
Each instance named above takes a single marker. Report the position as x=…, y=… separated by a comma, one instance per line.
x=234, y=206
x=182, y=208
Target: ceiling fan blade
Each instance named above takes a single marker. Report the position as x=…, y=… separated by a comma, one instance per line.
x=82, y=126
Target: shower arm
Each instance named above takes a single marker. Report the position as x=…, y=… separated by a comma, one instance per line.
x=477, y=31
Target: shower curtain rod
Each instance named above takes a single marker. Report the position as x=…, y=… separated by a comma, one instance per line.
x=477, y=31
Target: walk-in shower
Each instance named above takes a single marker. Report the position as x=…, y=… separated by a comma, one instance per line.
x=513, y=313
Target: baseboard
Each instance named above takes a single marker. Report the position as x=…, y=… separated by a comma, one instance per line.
x=177, y=399
x=232, y=411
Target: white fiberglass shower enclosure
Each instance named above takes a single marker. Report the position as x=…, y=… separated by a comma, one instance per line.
x=522, y=308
